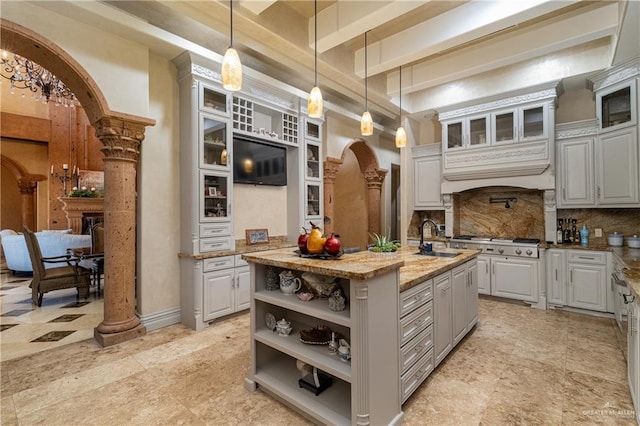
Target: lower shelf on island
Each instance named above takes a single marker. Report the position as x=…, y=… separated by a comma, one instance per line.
x=280, y=378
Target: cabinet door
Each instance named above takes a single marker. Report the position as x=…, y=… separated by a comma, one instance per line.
x=217, y=297
x=453, y=134
x=443, y=331
x=556, y=288
x=575, y=174
x=484, y=276
x=532, y=123
x=633, y=353
x=617, y=159
x=215, y=142
x=616, y=106
x=477, y=133
x=587, y=287
x=215, y=196
x=504, y=126
x=427, y=182
x=459, y=281
x=472, y=295
x=515, y=278
x=243, y=288
x=313, y=199
x=312, y=161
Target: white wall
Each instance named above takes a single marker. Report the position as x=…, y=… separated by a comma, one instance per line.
x=158, y=196
x=259, y=207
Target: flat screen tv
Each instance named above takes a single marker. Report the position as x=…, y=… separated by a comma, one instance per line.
x=259, y=163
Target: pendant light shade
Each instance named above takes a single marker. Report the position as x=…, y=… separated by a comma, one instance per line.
x=315, y=103
x=401, y=135
x=366, y=123
x=231, y=67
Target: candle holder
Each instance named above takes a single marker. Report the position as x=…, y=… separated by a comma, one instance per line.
x=64, y=178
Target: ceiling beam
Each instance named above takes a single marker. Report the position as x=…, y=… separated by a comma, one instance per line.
x=508, y=49
x=256, y=6
x=468, y=22
x=343, y=21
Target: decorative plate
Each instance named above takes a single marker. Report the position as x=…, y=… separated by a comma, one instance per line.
x=270, y=320
x=323, y=256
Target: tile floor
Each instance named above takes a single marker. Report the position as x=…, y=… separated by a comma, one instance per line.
x=26, y=329
x=518, y=366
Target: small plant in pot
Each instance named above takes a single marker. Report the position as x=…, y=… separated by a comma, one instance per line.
x=382, y=244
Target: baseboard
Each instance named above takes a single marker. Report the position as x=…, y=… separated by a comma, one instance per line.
x=161, y=319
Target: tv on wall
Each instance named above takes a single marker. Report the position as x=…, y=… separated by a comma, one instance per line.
x=259, y=163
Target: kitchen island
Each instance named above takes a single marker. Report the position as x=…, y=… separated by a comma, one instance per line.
x=387, y=322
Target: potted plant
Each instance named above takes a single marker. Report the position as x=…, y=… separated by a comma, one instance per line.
x=382, y=244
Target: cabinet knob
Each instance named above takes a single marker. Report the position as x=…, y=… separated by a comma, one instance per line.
x=518, y=251
x=500, y=250
x=529, y=252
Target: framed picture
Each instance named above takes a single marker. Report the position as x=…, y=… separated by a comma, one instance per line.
x=257, y=236
x=212, y=191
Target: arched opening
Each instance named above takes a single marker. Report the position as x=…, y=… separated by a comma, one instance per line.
x=352, y=194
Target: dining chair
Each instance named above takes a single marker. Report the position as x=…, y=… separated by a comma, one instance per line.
x=48, y=279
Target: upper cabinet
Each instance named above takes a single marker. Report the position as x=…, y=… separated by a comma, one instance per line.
x=500, y=137
x=267, y=122
x=427, y=172
x=616, y=106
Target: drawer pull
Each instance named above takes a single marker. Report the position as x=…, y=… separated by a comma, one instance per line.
x=586, y=258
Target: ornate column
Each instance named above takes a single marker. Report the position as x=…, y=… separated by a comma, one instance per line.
x=331, y=166
x=121, y=138
x=550, y=215
x=374, y=178
x=449, y=216
x=28, y=185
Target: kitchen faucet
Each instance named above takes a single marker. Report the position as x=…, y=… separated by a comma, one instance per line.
x=421, y=231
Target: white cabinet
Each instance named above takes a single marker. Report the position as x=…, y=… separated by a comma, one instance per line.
x=616, y=105
x=556, y=283
x=217, y=296
x=484, y=274
x=464, y=282
x=526, y=123
x=587, y=280
x=427, y=175
x=515, y=278
x=633, y=353
x=443, y=317
x=466, y=132
x=597, y=170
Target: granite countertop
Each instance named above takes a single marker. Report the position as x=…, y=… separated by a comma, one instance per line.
x=594, y=245
x=364, y=265
x=630, y=258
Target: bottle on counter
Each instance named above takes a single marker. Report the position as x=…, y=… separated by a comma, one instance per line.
x=584, y=236
x=567, y=238
x=575, y=231
x=559, y=233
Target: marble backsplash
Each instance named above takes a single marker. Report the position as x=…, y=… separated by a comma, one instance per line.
x=475, y=214
x=418, y=216
x=622, y=221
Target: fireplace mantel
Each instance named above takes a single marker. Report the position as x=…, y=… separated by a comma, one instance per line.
x=75, y=208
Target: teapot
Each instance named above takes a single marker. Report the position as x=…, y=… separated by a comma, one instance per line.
x=283, y=327
x=289, y=283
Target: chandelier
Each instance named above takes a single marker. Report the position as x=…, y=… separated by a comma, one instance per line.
x=26, y=74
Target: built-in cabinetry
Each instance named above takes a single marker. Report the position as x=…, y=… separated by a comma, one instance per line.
x=633, y=351
x=455, y=300
x=477, y=139
x=579, y=279
x=510, y=277
x=427, y=175
x=313, y=171
x=225, y=286
x=416, y=334
x=597, y=169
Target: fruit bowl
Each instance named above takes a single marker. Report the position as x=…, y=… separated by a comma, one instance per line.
x=323, y=256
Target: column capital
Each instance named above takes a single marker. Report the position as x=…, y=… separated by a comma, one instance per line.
x=331, y=166
x=28, y=183
x=121, y=137
x=374, y=177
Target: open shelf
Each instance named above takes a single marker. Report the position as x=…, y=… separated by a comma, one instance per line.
x=279, y=377
x=318, y=307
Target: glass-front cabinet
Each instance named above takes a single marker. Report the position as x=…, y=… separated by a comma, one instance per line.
x=527, y=123
x=213, y=100
x=214, y=138
x=313, y=201
x=468, y=132
x=312, y=159
x=478, y=131
x=532, y=123
x=504, y=126
x=454, y=135
x=616, y=106
x=215, y=203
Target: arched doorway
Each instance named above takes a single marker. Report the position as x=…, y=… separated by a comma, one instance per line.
x=121, y=135
x=27, y=185
x=352, y=194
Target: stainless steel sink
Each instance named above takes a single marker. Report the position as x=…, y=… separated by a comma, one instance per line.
x=438, y=253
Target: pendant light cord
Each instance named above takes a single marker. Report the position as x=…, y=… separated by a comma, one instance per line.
x=231, y=22
x=400, y=95
x=366, y=79
x=315, y=39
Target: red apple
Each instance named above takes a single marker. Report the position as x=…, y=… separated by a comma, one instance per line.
x=302, y=241
x=332, y=245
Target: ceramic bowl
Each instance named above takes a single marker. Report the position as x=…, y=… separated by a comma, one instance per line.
x=615, y=239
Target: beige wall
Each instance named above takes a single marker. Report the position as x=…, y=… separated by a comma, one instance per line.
x=575, y=105
x=257, y=206
x=350, y=200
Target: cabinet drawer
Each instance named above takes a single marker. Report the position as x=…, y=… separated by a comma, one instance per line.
x=214, y=230
x=417, y=347
x=415, y=297
x=587, y=256
x=215, y=244
x=416, y=375
x=415, y=322
x=240, y=261
x=217, y=263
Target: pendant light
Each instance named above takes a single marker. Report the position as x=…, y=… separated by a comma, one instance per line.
x=314, y=103
x=231, y=66
x=366, y=124
x=401, y=135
